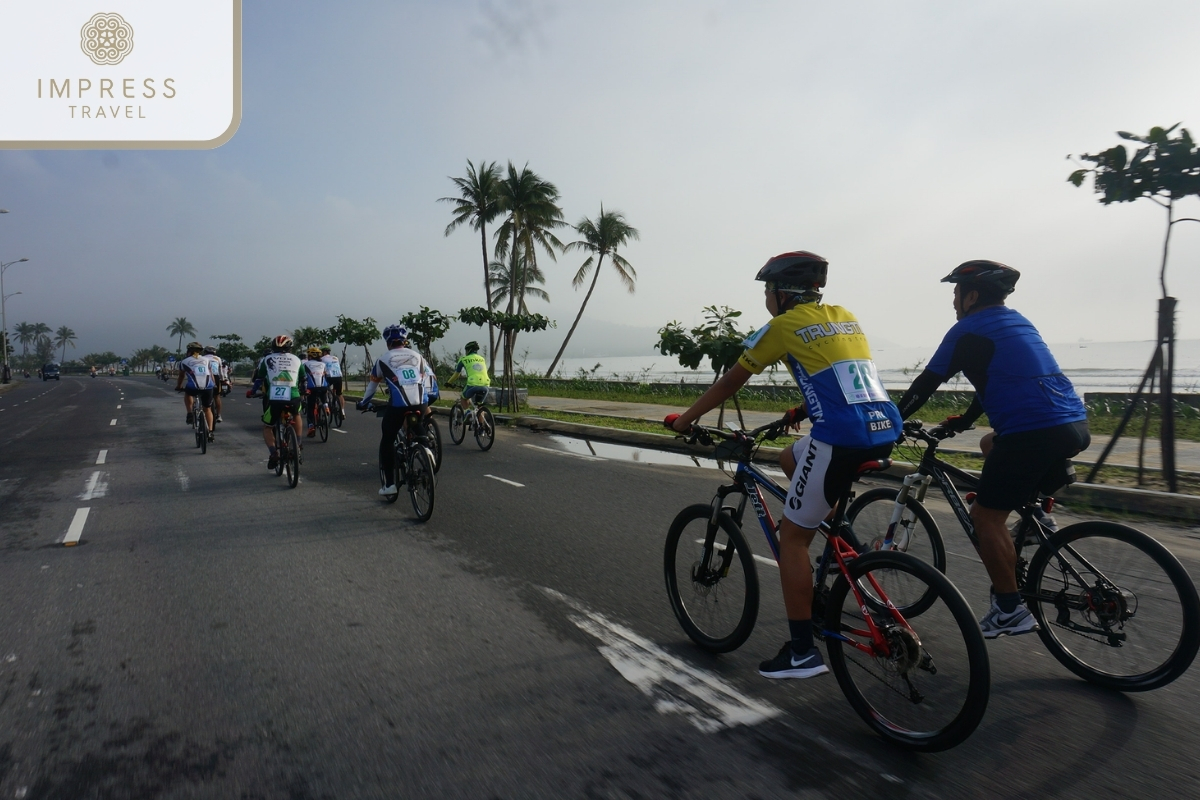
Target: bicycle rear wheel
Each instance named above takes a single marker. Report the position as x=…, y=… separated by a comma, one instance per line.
x=1127, y=619
x=458, y=424
x=930, y=690
x=916, y=534
x=323, y=423
x=421, y=483
x=711, y=579
x=433, y=432
x=292, y=463
x=485, y=429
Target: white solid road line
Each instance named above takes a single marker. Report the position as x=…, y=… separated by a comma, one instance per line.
x=505, y=480
x=337, y=430
x=76, y=529
x=674, y=686
x=100, y=459
x=114, y=422
x=564, y=453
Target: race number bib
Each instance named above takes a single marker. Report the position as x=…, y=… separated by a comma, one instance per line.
x=201, y=369
x=859, y=382
x=408, y=375
x=281, y=391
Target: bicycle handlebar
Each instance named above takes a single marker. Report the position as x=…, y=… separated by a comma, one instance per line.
x=705, y=436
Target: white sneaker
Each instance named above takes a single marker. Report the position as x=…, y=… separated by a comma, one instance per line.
x=388, y=491
x=996, y=623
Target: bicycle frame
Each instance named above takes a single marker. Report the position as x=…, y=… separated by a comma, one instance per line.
x=749, y=481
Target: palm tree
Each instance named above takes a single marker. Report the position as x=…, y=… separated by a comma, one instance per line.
x=601, y=238
x=62, y=337
x=478, y=204
x=25, y=336
x=501, y=282
x=180, y=327
x=532, y=209
x=41, y=334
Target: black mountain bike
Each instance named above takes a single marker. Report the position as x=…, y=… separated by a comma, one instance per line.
x=413, y=464
x=919, y=678
x=433, y=433
x=199, y=424
x=287, y=446
x=1115, y=607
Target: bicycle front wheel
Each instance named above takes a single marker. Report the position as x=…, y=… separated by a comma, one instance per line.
x=485, y=429
x=1115, y=606
x=291, y=456
x=711, y=579
x=339, y=416
x=458, y=424
x=927, y=687
x=915, y=534
x=421, y=483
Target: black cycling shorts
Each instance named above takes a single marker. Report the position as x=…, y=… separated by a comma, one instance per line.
x=275, y=407
x=336, y=385
x=205, y=395
x=1023, y=464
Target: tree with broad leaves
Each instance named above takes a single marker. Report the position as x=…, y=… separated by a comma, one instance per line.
x=1165, y=170
x=508, y=324
x=717, y=339
x=424, y=328
x=308, y=336
x=355, y=333
x=232, y=349
x=477, y=204
x=601, y=237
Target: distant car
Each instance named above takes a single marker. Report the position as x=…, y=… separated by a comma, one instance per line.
x=50, y=371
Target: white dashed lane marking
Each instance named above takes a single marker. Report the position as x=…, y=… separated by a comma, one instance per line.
x=76, y=529
x=768, y=561
x=114, y=422
x=95, y=487
x=100, y=459
x=505, y=480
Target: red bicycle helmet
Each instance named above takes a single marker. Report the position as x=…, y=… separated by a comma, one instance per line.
x=283, y=341
x=989, y=274
x=797, y=271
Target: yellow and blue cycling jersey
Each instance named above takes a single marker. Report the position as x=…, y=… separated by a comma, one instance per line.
x=828, y=356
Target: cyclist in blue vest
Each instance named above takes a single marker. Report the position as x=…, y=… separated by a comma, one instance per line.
x=1038, y=420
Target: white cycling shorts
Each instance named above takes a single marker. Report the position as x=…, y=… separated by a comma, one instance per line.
x=823, y=473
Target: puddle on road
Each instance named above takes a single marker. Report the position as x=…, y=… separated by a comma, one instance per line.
x=642, y=455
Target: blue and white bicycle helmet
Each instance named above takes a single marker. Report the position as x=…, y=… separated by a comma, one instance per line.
x=395, y=333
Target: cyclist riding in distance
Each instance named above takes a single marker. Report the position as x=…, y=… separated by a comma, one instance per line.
x=333, y=374
x=474, y=367
x=1038, y=421
x=403, y=370
x=283, y=374
x=853, y=421
x=315, y=386
x=194, y=370
x=217, y=370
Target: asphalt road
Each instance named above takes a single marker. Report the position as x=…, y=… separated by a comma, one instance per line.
x=215, y=634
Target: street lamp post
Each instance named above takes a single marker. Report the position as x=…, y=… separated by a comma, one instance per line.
x=3, y=315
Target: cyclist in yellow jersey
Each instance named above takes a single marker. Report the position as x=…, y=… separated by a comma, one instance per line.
x=474, y=367
x=853, y=421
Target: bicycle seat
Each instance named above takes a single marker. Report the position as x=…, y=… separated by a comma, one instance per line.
x=878, y=465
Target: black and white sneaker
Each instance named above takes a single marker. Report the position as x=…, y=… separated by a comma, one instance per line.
x=788, y=665
x=272, y=462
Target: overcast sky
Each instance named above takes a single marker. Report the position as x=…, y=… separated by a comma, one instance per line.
x=896, y=139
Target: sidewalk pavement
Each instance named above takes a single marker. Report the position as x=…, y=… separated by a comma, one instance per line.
x=1187, y=454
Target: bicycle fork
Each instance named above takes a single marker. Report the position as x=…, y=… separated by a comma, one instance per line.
x=914, y=485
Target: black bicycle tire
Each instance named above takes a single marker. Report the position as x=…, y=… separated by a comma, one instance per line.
x=421, y=454
x=485, y=422
x=1189, y=602
x=335, y=409
x=293, y=457
x=933, y=534
x=279, y=443
x=202, y=436
x=458, y=419
x=979, y=689
x=323, y=424
x=434, y=431
x=749, y=616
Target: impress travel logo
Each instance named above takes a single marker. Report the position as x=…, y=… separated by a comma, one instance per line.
x=71, y=76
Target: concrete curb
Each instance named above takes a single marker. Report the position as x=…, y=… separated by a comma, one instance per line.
x=1114, y=498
